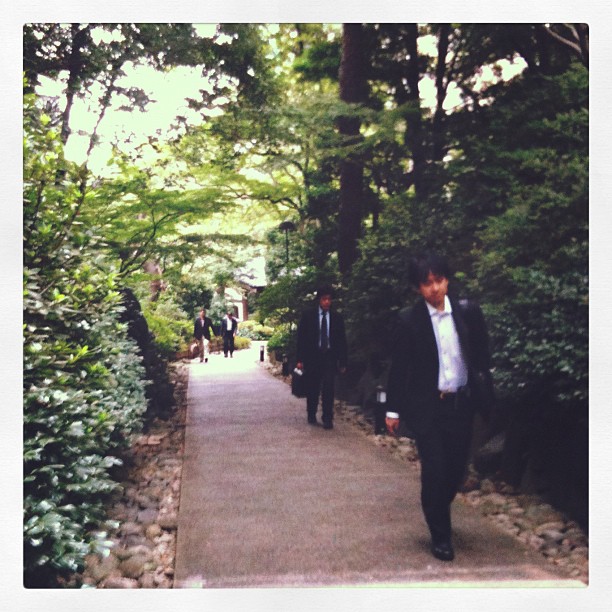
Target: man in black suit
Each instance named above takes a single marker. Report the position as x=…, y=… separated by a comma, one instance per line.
x=229, y=327
x=321, y=353
x=202, y=329
x=439, y=377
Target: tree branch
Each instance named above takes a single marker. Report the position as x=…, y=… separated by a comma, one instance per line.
x=579, y=43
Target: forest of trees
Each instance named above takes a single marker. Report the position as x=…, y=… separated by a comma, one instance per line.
x=374, y=140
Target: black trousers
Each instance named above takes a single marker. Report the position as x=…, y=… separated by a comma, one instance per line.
x=228, y=344
x=443, y=452
x=321, y=377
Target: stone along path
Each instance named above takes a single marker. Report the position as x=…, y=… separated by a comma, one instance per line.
x=267, y=500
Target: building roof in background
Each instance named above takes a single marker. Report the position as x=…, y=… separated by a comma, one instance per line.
x=253, y=273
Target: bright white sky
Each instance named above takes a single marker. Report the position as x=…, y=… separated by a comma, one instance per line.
x=170, y=89
x=168, y=92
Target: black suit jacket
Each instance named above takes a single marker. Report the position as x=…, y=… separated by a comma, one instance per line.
x=308, y=336
x=202, y=328
x=226, y=328
x=413, y=378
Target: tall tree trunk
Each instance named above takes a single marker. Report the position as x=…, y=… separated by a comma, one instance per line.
x=353, y=90
x=414, y=131
x=441, y=85
x=75, y=69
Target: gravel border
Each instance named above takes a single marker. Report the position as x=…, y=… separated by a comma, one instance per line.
x=143, y=548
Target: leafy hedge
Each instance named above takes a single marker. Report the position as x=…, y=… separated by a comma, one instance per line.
x=83, y=397
x=533, y=262
x=254, y=330
x=83, y=385
x=171, y=326
x=283, y=340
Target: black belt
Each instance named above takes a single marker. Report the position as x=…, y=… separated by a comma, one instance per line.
x=452, y=395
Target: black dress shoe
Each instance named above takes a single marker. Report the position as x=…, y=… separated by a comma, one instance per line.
x=328, y=425
x=312, y=421
x=443, y=551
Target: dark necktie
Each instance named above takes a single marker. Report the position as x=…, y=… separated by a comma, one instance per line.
x=324, y=335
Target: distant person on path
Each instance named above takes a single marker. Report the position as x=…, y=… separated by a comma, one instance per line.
x=321, y=354
x=202, y=329
x=439, y=376
x=229, y=327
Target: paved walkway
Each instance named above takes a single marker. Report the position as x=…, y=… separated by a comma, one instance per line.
x=269, y=501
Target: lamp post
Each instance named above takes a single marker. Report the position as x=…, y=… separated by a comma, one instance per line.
x=287, y=226
x=379, y=414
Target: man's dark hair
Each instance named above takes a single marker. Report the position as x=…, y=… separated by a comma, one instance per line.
x=325, y=289
x=422, y=264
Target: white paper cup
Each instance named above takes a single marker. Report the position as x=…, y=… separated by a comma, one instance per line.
x=392, y=422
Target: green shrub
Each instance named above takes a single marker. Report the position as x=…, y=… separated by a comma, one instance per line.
x=534, y=261
x=83, y=386
x=283, y=340
x=171, y=326
x=241, y=343
x=83, y=398
x=254, y=330
x=247, y=325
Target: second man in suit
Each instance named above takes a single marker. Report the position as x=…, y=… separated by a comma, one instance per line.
x=202, y=330
x=321, y=354
x=229, y=327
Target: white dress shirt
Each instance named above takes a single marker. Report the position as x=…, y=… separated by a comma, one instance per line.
x=453, y=369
